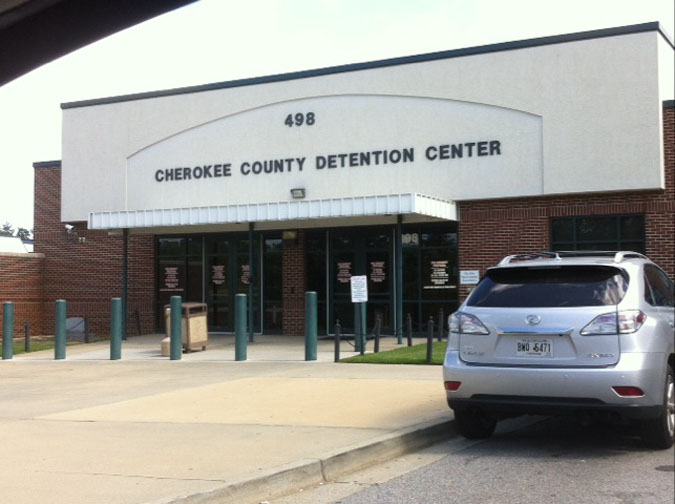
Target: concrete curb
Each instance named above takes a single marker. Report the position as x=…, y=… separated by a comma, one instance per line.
x=304, y=473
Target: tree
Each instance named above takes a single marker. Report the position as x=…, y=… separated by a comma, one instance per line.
x=7, y=230
x=23, y=233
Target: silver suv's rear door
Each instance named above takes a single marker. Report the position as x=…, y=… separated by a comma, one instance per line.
x=539, y=337
x=535, y=316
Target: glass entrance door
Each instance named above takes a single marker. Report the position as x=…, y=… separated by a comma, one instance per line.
x=227, y=274
x=361, y=252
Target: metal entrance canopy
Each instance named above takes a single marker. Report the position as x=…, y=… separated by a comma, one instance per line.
x=357, y=206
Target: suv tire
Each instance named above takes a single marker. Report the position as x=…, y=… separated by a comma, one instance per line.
x=474, y=423
x=659, y=432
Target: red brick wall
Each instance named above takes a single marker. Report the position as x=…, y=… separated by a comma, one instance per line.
x=21, y=283
x=84, y=267
x=492, y=229
x=294, y=286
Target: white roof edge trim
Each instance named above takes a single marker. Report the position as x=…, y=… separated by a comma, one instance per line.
x=356, y=206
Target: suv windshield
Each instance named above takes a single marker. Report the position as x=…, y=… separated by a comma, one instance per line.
x=550, y=287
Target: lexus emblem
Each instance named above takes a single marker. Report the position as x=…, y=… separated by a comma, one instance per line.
x=533, y=319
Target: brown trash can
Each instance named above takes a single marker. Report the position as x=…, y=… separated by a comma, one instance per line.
x=195, y=334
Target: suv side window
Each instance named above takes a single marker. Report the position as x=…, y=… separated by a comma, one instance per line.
x=648, y=290
x=659, y=288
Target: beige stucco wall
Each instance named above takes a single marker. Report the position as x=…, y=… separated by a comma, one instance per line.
x=576, y=117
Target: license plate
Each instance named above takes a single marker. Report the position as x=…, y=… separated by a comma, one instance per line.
x=534, y=348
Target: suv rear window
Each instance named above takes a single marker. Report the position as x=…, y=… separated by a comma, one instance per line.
x=559, y=286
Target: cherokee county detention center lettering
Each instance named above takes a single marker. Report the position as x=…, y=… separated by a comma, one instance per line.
x=330, y=161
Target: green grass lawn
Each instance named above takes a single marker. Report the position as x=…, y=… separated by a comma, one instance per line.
x=35, y=346
x=416, y=354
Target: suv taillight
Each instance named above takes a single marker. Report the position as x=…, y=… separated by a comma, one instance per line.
x=464, y=323
x=628, y=322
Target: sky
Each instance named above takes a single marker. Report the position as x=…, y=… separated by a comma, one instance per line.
x=222, y=40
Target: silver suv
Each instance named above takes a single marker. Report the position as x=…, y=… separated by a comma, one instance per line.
x=565, y=332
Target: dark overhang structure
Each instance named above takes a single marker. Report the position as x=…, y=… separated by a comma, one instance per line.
x=34, y=32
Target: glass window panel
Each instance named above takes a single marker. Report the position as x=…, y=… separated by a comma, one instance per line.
x=599, y=233
x=194, y=290
x=632, y=227
x=562, y=230
x=171, y=277
x=272, y=276
x=410, y=273
x=596, y=228
x=273, y=316
x=411, y=309
x=438, y=275
x=321, y=319
x=194, y=246
x=610, y=246
x=378, y=240
x=429, y=239
x=273, y=245
x=648, y=290
x=343, y=271
x=315, y=241
x=434, y=267
x=378, y=272
x=316, y=275
x=242, y=247
x=344, y=312
x=566, y=286
x=633, y=246
x=243, y=274
x=171, y=247
x=218, y=245
x=342, y=242
x=383, y=310
x=219, y=315
x=563, y=246
x=438, y=239
x=219, y=278
x=661, y=286
x=450, y=239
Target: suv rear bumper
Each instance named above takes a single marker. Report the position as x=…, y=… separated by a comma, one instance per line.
x=509, y=405
x=539, y=390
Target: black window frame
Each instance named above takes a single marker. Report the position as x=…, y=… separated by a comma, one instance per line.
x=620, y=242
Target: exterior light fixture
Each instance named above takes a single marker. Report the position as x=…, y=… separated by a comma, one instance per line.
x=289, y=237
x=298, y=193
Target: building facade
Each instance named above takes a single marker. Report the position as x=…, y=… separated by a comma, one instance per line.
x=417, y=172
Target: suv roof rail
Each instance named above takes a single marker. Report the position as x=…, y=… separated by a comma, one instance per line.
x=525, y=257
x=618, y=256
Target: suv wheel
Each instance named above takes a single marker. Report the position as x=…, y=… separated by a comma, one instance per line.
x=660, y=432
x=474, y=423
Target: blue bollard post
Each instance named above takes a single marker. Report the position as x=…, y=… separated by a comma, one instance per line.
x=60, y=330
x=7, y=330
x=240, y=336
x=176, y=340
x=116, y=329
x=310, y=326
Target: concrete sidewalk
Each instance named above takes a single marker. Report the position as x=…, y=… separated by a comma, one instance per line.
x=205, y=428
